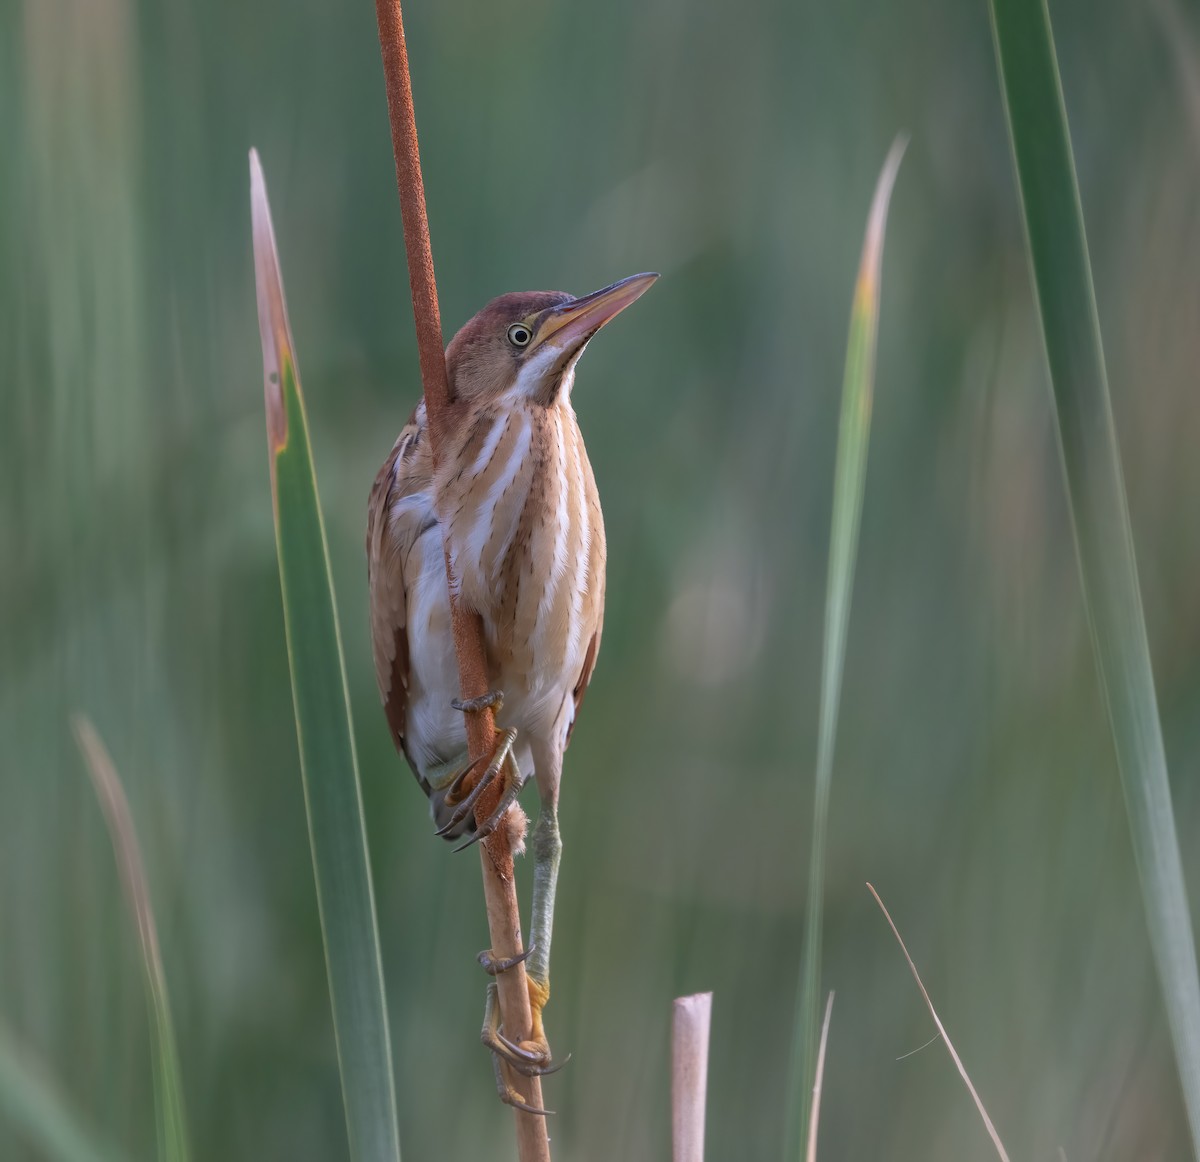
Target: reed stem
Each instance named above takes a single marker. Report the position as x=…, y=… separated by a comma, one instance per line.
x=499, y=884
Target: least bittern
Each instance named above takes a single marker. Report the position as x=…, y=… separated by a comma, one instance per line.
x=514, y=503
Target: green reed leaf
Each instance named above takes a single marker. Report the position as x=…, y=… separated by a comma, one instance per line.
x=1062, y=278
x=328, y=763
x=850, y=472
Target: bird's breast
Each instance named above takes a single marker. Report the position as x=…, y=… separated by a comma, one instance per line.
x=526, y=537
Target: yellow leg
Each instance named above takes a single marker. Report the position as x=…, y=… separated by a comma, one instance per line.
x=531, y=1057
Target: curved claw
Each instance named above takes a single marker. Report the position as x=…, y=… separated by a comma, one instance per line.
x=509, y=1096
x=490, y=824
x=467, y=805
x=529, y=1063
x=500, y=755
x=494, y=967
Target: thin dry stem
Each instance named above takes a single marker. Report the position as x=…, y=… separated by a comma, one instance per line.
x=689, y=1075
x=962, y=1071
x=120, y=826
x=499, y=887
x=811, y=1153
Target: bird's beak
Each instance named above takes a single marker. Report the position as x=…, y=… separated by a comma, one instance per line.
x=574, y=323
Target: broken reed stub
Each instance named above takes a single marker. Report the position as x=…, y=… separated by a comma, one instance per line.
x=689, y=1075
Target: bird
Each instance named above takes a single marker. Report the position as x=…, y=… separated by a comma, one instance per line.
x=512, y=509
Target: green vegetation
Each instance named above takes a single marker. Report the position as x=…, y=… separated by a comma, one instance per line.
x=168, y=1079
x=1058, y=252
x=323, y=727
x=729, y=146
x=850, y=476
x=31, y=1105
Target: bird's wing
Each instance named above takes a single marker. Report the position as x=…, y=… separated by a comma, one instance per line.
x=392, y=529
x=585, y=676
x=599, y=553
x=593, y=601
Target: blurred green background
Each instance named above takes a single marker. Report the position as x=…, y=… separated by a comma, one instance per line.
x=734, y=148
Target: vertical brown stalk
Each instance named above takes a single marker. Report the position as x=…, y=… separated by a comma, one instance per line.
x=499, y=886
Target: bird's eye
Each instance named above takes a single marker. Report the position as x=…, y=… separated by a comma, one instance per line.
x=519, y=335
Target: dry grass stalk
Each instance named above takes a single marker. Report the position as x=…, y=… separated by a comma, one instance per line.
x=962, y=1070
x=168, y=1086
x=504, y=918
x=811, y=1153
x=689, y=1075
x=120, y=826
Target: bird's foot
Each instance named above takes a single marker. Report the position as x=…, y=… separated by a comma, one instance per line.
x=508, y=1095
x=532, y=1057
x=494, y=967
x=493, y=698
x=501, y=760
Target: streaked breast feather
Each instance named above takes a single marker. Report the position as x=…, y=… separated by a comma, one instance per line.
x=559, y=487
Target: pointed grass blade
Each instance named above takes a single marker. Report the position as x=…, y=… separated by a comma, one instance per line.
x=850, y=472
x=328, y=764
x=168, y=1084
x=1062, y=278
x=31, y=1102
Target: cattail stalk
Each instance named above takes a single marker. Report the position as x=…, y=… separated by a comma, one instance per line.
x=499, y=886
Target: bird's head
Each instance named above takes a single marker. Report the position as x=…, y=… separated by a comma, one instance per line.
x=527, y=343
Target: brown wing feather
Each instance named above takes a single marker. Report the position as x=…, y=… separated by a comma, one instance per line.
x=594, y=592
x=406, y=471
x=585, y=676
